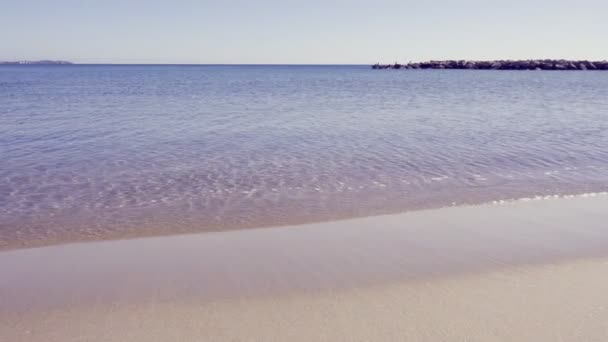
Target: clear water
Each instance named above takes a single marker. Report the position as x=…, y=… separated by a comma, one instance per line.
x=92, y=152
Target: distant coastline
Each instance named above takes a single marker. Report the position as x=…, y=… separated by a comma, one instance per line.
x=43, y=62
x=537, y=64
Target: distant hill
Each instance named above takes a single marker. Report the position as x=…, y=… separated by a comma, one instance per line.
x=36, y=62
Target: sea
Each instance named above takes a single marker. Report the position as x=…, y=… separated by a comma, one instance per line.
x=91, y=152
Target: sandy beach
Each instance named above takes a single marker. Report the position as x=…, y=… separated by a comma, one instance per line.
x=524, y=270
x=303, y=171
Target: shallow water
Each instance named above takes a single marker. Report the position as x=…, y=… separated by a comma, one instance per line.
x=94, y=152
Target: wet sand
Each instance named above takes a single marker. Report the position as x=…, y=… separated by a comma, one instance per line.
x=528, y=270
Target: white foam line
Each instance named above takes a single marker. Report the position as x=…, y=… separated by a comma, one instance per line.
x=549, y=197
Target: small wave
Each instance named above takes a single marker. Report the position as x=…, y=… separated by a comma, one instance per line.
x=548, y=197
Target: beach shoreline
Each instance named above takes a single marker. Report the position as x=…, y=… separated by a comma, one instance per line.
x=40, y=239
x=400, y=271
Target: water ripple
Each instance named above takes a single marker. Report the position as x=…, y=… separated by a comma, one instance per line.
x=113, y=151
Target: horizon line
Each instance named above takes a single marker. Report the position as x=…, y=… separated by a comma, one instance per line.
x=68, y=63
x=65, y=62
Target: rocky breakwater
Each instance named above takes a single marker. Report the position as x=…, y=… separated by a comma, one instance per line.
x=538, y=64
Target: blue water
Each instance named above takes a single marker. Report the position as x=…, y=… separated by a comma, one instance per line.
x=92, y=152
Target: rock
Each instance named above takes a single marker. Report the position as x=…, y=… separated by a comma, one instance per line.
x=546, y=64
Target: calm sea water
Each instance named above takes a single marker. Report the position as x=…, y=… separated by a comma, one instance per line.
x=93, y=152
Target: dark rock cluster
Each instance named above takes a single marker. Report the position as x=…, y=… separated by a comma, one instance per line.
x=538, y=64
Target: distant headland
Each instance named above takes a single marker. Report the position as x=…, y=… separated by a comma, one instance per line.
x=536, y=64
x=44, y=62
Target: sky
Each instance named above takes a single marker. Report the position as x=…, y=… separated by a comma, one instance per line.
x=300, y=32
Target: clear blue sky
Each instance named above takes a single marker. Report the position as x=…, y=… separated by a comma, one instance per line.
x=313, y=31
